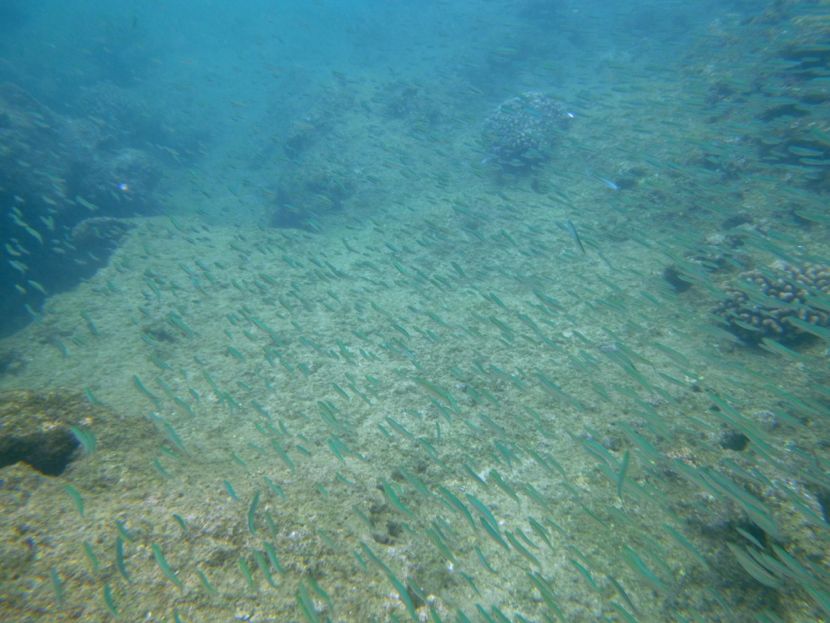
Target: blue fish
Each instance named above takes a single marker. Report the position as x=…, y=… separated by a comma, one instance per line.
x=608, y=183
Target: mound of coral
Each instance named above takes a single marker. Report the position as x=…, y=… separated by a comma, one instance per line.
x=782, y=302
x=521, y=132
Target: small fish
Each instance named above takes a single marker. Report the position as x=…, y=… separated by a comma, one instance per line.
x=87, y=204
x=37, y=286
x=165, y=567
x=57, y=585
x=231, y=492
x=608, y=183
x=622, y=473
x=569, y=227
x=13, y=251
x=19, y=266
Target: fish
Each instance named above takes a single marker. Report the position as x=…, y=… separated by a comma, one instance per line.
x=610, y=184
x=569, y=227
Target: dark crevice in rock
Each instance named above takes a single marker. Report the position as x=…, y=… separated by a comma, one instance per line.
x=49, y=452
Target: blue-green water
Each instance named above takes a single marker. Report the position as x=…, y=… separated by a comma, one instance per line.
x=440, y=311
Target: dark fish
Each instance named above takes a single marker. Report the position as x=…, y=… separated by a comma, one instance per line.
x=569, y=227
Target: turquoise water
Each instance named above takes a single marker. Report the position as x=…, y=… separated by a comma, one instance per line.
x=448, y=311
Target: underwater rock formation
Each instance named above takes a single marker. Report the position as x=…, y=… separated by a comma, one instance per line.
x=48, y=429
x=100, y=231
x=49, y=160
x=31, y=149
x=55, y=172
x=11, y=362
x=521, y=132
x=35, y=428
x=310, y=194
x=123, y=181
x=780, y=302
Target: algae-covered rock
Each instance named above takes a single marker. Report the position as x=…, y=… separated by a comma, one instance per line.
x=36, y=428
